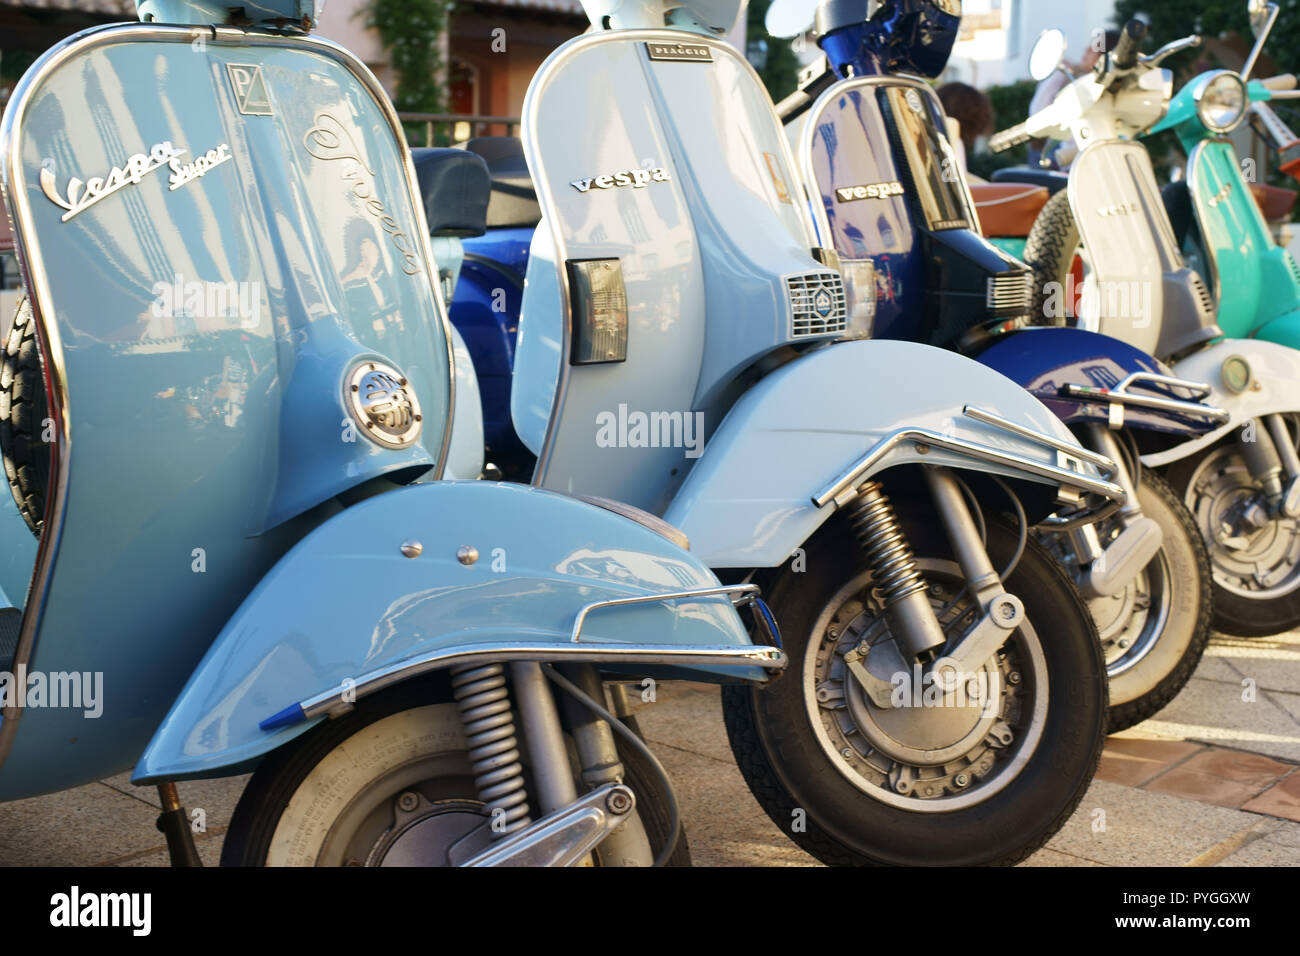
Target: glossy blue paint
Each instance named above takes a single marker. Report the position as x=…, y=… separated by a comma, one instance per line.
x=485, y=310
x=1045, y=360
x=345, y=601
x=17, y=551
x=199, y=444
x=913, y=36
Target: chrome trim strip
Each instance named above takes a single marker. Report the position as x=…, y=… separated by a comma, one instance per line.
x=768, y=658
x=746, y=592
x=14, y=188
x=546, y=198
x=1211, y=260
x=844, y=487
x=1060, y=444
x=1216, y=415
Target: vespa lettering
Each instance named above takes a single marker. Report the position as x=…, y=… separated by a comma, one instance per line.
x=1122, y=209
x=636, y=178
x=872, y=191
x=329, y=140
x=79, y=196
x=1221, y=195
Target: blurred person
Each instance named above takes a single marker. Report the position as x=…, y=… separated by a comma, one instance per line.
x=970, y=116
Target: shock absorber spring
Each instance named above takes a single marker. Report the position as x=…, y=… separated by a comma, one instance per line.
x=893, y=566
x=888, y=554
x=484, y=703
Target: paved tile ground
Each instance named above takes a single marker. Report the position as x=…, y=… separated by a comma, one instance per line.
x=1213, y=780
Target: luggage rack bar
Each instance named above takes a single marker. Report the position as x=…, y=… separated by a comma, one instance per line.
x=1121, y=395
x=769, y=657
x=843, y=488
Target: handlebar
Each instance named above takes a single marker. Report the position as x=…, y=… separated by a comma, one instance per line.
x=1169, y=49
x=1007, y=138
x=1125, y=54
x=1279, y=84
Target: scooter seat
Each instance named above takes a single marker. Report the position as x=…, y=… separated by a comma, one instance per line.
x=1275, y=202
x=455, y=187
x=1054, y=180
x=514, y=199
x=1008, y=209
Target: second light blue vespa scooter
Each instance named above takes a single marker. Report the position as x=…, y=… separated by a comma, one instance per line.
x=684, y=345
x=236, y=569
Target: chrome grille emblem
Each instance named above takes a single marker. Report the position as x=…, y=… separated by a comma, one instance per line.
x=382, y=402
x=817, y=303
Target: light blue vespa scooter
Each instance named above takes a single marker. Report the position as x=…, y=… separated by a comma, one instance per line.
x=683, y=346
x=234, y=570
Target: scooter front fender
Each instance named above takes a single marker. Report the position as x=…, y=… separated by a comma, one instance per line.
x=748, y=502
x=1274, y=387
x=391, y=579
x=1046, y=360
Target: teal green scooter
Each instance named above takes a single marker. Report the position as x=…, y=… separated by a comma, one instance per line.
x=1217, y=221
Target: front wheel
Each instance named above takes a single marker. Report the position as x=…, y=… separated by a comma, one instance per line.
x=1153, y=631
x=389, y=784
x=927, y=781
x=1254, y=559
x=1062, y=272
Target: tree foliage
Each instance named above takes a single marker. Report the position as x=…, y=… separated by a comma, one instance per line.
x=779, y=65
x=411, y=31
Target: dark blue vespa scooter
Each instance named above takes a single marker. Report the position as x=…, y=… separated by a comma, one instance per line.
x=889, y=194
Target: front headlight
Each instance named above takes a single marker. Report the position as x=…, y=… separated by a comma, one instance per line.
x=1221, y=102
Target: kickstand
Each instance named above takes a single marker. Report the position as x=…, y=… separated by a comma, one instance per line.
x=174, y=823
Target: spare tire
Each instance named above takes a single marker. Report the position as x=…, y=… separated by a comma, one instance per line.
x=23, y=415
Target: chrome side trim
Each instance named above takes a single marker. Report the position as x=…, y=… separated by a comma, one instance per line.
x=1121, y=395
x=746, y=592
x=546, y=197
x=1211, y=260
x=843, y=488
x=1060, y=444
x=319, y=705
x=14, y=188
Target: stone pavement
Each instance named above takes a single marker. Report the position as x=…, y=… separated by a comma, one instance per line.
x=1211, y=781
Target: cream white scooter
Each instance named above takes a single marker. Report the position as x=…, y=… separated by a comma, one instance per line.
x=1241, y=481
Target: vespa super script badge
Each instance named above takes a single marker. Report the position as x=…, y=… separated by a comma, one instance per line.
x=250, y=89
x=78, y=195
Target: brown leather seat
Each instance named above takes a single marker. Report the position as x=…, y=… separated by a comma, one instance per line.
x=1008, y=209
x=1275, y=202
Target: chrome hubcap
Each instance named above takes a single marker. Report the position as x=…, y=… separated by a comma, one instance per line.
x=935, y=751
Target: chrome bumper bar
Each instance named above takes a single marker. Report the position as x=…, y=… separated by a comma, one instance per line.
x=844, y=488
x=340, y=699
x=1120, y=395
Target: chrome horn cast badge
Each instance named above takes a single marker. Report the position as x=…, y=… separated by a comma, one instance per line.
x=383, y=404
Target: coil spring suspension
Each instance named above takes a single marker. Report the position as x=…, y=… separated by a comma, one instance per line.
x=484, y=703
x=888, y=555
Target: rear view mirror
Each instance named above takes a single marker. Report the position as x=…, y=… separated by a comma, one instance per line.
x=1047, y=54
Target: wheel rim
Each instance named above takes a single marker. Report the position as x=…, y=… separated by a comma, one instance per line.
x=1130, y=622
x=927, y=759
x=1253, y=563
x=416, y=815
